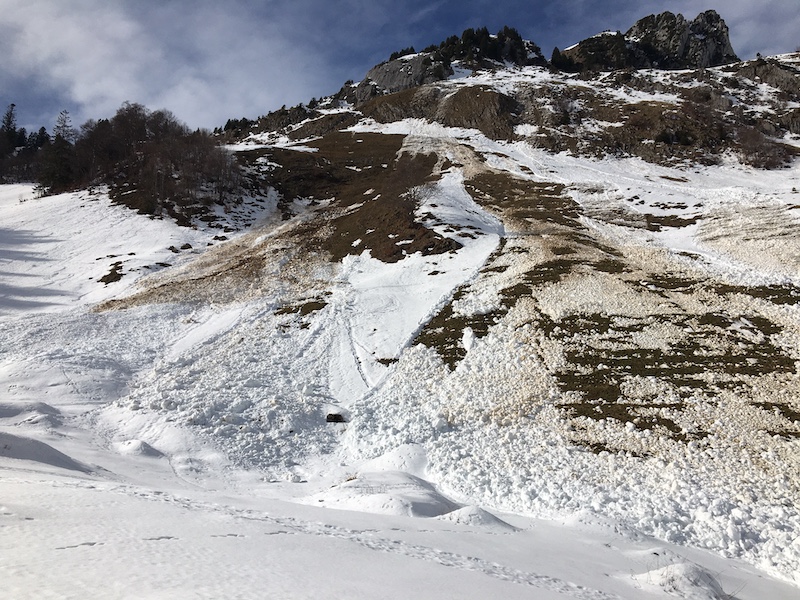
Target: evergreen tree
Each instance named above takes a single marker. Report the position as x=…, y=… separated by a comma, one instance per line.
x=38, y=139
x=563, y=63
x=64, y=128
x=9, y=123
x=8, y=131
x=58, y=157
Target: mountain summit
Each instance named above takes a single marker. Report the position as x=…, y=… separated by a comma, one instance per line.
x=664, y=41
x=671, y=42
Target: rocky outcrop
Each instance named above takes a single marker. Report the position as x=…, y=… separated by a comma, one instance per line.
x=664, y=41
x=780, y=75
x=603, y=52
x=473, y=50
x=408, y=71
x=397, y=75
x=669, y=41
x=473, y=107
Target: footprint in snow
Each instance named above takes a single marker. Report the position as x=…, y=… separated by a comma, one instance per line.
x=79, y=545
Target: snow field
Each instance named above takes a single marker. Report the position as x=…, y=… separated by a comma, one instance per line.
x=45, y=269
x=268, y=547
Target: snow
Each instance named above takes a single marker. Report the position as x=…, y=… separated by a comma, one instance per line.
x=183, y=446
x=44, y=269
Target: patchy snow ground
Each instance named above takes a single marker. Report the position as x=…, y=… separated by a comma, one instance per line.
x=183, y=448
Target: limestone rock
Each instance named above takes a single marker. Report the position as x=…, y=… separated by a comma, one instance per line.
x=665, y=41
x=408, y=71
x=397, y=75
x=669, y=41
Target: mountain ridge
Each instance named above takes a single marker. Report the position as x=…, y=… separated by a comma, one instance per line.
x=715, y=119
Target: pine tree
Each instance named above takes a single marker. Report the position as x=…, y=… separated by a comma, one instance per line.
x=64, y=128
x=8, y=131
x=58, y=157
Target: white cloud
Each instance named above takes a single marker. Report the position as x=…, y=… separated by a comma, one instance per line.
x=203, y=61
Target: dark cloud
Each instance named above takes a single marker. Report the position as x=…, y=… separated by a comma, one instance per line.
x=208, y=61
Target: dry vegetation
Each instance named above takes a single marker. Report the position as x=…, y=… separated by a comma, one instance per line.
x=624, y=343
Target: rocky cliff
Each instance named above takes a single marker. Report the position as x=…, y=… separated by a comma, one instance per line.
x=472, y=50
x=671, y=42
x=664, y=41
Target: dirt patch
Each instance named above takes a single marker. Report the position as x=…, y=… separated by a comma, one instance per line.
x=324, y=125
x=367, y=183
x=602, y=352
x=304, y=309
x=445, y=331
x=639, y=414
x=115, y=274
x=524, y=205
x=356, y=192
x=781, y=294
x=658, y=222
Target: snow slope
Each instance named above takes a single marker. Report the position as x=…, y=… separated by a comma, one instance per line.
x=183, y=446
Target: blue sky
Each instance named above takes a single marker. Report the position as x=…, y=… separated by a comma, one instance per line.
x=210, y=60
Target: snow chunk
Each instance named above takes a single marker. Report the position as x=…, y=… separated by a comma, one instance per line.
x=475, y=516
x=137, y=448
x=685, y=580
x=388, y=492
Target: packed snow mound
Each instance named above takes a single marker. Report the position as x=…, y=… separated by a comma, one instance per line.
x=387, y=492
x=683, y=580
x=15, y=409
x=137, y=448
x=475, y=516
x=25, y=448
x=410, y=458
x=33, y=413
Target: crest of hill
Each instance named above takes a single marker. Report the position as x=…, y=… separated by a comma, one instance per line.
x=475, y=49
x=664, y=41
x=680, y=111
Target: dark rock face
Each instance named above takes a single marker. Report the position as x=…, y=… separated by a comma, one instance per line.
x=397, y=75
x=407, y=72
x=603, y=52
x=665, y=41
x=475, y=107
x=670, y=41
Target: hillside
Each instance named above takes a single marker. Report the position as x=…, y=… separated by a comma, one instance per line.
x=543, y=309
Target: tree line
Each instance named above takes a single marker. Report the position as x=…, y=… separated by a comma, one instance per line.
x=149, y=159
